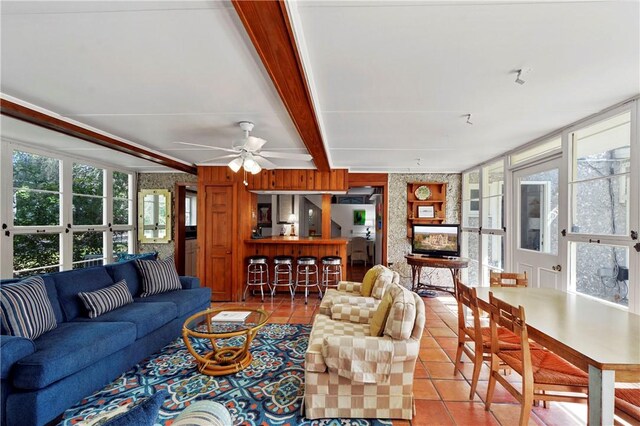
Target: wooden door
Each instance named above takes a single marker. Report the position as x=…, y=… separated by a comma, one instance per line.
x=218, y=241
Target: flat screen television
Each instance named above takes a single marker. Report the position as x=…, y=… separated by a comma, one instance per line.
x=437, y=240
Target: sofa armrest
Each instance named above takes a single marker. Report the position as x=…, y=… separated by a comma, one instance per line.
x=12, y=350
x=367, y=359
x=349, y=286
x=189, y=282
x=352, y=313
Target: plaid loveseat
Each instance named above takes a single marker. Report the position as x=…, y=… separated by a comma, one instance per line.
x=348, y=292
x=351, y=374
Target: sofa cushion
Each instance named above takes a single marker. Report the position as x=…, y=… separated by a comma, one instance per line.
x=402, y=315
x=369, y=280
x=70, y=283
x=324, y=326
x=382, y=282
x=12, y=350
x=127, y=271
x=52, y=293
x=147, y=317
x=106, y=299
x=379, y=319
x=69, y=348
x=185, y=300
x=158, y=276
x=25, y=308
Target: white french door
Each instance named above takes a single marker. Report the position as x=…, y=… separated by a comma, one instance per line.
x=536, y=216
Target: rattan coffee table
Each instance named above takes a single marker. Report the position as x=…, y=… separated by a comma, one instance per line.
x=223, y=355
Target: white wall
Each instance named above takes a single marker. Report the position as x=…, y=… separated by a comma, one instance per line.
x=343, y=215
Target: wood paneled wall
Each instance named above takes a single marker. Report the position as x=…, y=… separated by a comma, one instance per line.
x=245, y=205
x=299, y=180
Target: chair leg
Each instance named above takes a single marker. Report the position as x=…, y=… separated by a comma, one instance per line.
x=492, y=383
x=456, y=364
x=525, y=411
x=477, y=366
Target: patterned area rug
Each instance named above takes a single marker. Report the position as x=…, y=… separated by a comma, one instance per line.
x=268, y=392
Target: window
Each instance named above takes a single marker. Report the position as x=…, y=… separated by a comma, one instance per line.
x=36, y=213
x=190, y=210
x=44, y=235
x=493, y=230
x=600, y=208
x=537, y=151
x=470, y=244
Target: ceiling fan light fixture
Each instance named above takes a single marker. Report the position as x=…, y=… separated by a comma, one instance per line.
x=255, y=169
x=235, y=164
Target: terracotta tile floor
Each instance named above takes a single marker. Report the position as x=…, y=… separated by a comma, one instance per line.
x=441, y=397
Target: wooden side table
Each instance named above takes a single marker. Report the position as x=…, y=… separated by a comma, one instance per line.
x=417, y=262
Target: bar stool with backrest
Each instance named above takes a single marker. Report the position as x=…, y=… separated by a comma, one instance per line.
x=508, y=279
x=257, y=275
x=476, y=334
x=543, y=373
x=282, y=274
x=307, y=275
x=331, y=271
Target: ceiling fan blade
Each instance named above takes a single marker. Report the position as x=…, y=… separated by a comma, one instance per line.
x=206, y=146
x=289, y=155
x=253, y=144
x=264, y=163
x=210, y=160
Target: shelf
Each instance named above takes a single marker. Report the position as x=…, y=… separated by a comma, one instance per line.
x=434, y=205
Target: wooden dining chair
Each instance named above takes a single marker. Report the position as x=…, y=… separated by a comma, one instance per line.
x=545, y=375
x=627, y=403
x=474, y=333
x=508, y=279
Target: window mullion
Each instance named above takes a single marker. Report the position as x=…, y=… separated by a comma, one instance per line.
x=66, y=177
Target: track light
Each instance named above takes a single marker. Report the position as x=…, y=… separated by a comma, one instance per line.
x=520, y=73
x=469, y=119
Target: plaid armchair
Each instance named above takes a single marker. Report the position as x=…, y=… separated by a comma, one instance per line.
x=351, y=374
x=348, y=292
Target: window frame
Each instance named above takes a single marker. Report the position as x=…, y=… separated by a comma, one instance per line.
x=65, y=229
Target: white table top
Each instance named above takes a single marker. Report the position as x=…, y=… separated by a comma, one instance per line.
x=582, y=330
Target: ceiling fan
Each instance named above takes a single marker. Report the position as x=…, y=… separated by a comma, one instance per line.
x=247, y=152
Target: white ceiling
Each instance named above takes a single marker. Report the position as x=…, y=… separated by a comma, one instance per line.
x=392, y=81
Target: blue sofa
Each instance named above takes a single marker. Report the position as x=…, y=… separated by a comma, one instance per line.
x=43, y=377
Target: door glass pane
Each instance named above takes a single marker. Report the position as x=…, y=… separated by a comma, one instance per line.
x=120, y=243
x=87, y=180
x=36, y=190
x=35, y=254
x=601, y=206
x=87, y=249
x=471, y=199
x=601, y=162
x=492, y=208
x=493, y=254
x=87, y=210
x=121, y=212
x=538, y=218
x=470, y=249
x=602, y=271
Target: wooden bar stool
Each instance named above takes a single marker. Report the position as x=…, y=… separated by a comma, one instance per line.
x=282, y=274
x=331, y=271
x=307, y=275
x=257, y=275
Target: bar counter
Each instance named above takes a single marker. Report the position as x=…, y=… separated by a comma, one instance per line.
x=297, y=247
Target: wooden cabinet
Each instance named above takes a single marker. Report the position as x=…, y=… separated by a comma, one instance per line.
x=426, y=203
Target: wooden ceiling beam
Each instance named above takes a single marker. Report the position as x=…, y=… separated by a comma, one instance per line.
x=267, y=24
x=21, y=112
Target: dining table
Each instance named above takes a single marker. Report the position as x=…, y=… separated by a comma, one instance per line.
x=599, y=338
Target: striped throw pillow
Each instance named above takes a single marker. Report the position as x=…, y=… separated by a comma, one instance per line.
x=26, y=308
x=106, y=299
x=158, y=276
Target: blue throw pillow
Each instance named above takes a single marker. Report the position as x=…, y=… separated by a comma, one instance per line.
x=106, y=299
x=142, y=413
x=26, y=309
